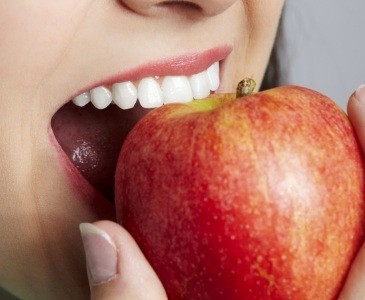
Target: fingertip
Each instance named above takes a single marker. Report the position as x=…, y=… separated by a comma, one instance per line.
x=356, y=113
x=100, y=254
x=360, y=93
x=134, y=273
x=109, y=226
x=356, y=100
x=354, y=287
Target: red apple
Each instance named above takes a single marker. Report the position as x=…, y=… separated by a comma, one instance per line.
x=256, y=198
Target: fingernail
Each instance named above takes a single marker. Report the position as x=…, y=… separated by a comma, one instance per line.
x=360, y=93
x=100, y=253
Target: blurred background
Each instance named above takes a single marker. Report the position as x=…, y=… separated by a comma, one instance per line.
x=322, y=47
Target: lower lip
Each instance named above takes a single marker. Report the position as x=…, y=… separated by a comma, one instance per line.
x=99, y=206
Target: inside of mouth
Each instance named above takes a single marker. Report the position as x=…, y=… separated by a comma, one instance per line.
x=92, y=140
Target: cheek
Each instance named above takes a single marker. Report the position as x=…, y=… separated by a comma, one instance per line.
x=256, y=31
x=263, y=20
x=33, y=36
x=264, y=17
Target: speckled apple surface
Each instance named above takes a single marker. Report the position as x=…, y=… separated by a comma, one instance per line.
x=256, y=198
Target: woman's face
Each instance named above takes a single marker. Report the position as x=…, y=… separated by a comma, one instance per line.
x=52, y=51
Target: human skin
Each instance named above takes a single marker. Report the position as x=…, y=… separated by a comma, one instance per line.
x=50, y=51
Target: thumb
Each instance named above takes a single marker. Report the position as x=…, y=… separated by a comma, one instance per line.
x=356, y=113
x=354, y=287
x=117, y=269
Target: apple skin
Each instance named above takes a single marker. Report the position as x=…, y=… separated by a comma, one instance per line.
x=256, y=198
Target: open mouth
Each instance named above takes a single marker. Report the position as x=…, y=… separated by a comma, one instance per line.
x=91, y=128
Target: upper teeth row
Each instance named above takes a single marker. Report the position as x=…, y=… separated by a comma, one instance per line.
x=151, y=94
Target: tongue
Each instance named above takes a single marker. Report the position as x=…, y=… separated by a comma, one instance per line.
x=92, y=140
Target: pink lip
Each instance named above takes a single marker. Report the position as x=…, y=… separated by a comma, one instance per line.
x=187, y=64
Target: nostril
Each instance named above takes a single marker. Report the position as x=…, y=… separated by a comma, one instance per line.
x=180, y=5
x=160, y=8
x=169, y=8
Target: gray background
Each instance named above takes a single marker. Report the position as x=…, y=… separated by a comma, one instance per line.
x=324, y=46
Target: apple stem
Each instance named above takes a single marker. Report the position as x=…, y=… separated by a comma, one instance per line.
x=245, y=87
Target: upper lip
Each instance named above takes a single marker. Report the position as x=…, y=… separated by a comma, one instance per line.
x=186, y=64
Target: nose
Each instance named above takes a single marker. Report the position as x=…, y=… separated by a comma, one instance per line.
x=158, y=7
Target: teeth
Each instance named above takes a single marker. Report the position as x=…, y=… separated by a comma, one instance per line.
x=176, y=89
x=213, y=76
x=173, y=89
x=125, y=95
x=149, y=93
x=82, y=100
x=101, y=97
x=200, y=85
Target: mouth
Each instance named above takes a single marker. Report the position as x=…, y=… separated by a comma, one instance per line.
x=89, y=130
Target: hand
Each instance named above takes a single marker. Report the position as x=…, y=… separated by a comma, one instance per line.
x=116, y=266
x=354, y=287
